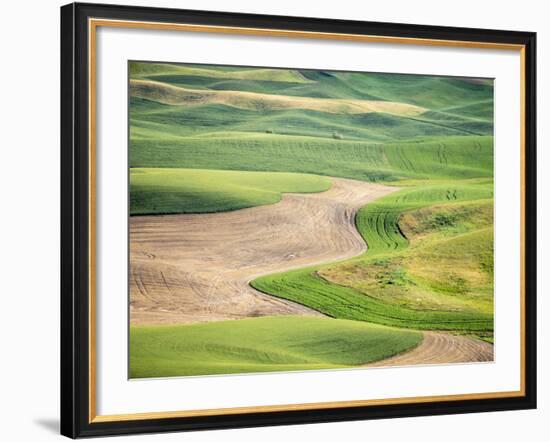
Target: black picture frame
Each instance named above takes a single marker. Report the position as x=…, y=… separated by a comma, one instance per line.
x=75, y=221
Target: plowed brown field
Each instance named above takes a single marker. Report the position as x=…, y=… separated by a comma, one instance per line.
x=441, y=348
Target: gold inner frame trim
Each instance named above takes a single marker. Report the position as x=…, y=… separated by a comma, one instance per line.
x=93, y=24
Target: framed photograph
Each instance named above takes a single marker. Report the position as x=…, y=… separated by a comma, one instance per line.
x=274, y=220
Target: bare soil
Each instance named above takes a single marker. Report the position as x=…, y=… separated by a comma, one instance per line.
x=441, y=348
x=196, y=268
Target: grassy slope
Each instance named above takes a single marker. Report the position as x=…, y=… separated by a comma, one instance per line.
x=210, y=118
x=368, y=146
x=435, y=93
x=261, y=344
x=447, y=266
x=453, y=102
x=256, y=101
x=427, y=158
x=154, y=191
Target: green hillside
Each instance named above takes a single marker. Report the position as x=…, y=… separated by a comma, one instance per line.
x=449, y=157
x=252, y=136
x=283, y=343
x=427, y=91
x=154, y=191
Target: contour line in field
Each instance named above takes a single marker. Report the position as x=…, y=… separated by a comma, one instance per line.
x=441, y=348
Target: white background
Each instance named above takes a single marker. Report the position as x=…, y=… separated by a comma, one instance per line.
x=30, y=223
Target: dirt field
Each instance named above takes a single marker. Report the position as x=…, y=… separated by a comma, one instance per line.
x=441, y=348
x=194, y=268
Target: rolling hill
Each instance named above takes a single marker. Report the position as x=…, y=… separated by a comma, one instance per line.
x=284, y=343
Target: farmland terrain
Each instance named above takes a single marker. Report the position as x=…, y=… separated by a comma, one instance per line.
x=273, y=208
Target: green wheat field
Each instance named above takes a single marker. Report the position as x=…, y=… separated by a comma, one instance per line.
x=207, y=140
